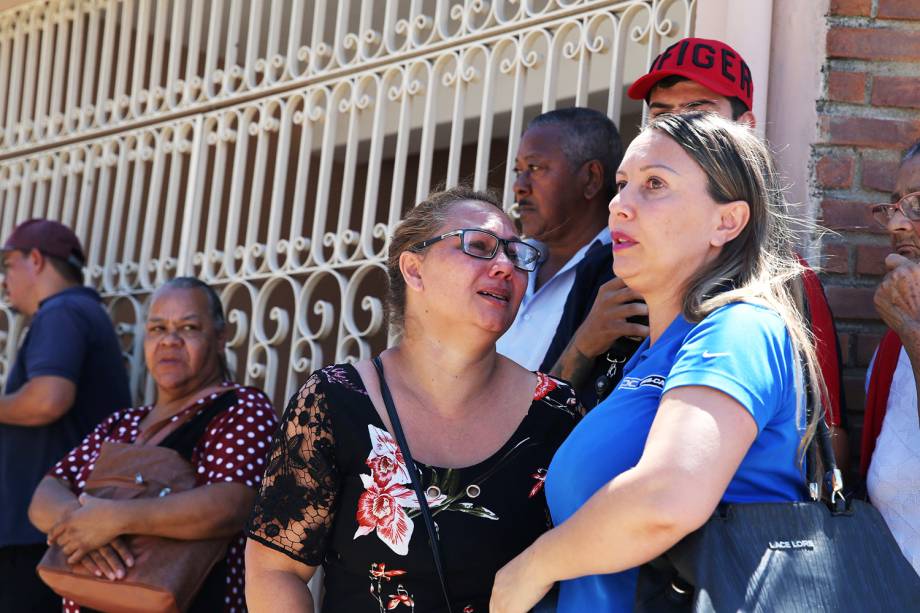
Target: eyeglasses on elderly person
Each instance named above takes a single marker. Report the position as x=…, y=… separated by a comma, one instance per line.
x=909, y=206
x=484, y=244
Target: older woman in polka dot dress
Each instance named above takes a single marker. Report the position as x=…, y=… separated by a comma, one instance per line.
x=183, y=348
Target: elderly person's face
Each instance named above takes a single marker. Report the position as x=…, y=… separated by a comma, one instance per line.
x=181, y=345
x=545, y=184
x=905, y=234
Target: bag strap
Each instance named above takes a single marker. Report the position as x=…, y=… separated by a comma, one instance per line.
x=820, y=443
x=416, y=484
x=833, y=478
x=184, y=438
x=164, y=429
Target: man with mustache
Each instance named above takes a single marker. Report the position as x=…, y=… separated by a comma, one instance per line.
x=564, y=169
x=890, y=452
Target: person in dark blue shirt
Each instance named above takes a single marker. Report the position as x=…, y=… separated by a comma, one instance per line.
x=69, y=374
x=711, y=407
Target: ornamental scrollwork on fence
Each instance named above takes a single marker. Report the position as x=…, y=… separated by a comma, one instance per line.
x=269, y=147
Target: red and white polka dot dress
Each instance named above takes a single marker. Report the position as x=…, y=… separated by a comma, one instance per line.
x=234, y=448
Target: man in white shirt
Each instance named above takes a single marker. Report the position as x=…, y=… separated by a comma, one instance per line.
x=891, y=430
x=565, y=168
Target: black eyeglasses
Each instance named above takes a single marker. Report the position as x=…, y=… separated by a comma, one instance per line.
x=483, y=244
x=909, y=206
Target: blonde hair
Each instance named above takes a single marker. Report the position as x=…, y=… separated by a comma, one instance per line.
x=419, y=224
x=760, y=264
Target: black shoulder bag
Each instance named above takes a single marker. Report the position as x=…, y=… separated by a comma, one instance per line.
x=796, y=557
x=416, y=484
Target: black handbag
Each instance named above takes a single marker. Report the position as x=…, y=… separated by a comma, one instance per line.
x=833, y=555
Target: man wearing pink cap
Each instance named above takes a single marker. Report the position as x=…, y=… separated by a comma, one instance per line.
x=69, y=375
x=698, y=74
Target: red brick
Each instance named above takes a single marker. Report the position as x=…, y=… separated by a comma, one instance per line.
x=870, y=132
x=865, y=347
x=835, y=259
x=849, y=215
x=843, y=338
x=898, y=9
x=834, y=172
x=879, y=174
x=854, y=386
x=870, y=259
x=855, y=416
x=850, y=7
x=852, y=302
x=873, y=44
x=846, y=86
x=896, y=91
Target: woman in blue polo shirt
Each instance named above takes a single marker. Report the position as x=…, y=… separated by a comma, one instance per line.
x=711, y=406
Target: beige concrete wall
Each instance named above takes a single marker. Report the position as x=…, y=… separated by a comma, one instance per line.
x=797, y=55
x=8, y=4
x=745, y=26
x=783, y=43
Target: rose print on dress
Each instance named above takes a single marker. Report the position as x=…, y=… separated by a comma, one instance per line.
x=379, y=574
x=385, y=469
x=401, y=597
x=386, y=460
x=339, y=375
x=388, y=505
x=382, y=508
x=540, y=478
x=545, y=384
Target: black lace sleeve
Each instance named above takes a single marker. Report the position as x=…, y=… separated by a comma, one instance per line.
x=295, y=507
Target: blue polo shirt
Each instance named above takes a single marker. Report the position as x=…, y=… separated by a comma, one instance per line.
x=742, y=350
x=70, y=336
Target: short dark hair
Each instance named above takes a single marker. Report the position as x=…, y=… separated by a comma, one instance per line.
x=64, y=268
x=587, y=135
x=70, y=272
x=738, y=107
x=215, y=307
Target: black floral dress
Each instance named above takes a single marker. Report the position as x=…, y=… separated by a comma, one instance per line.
x=337, y=493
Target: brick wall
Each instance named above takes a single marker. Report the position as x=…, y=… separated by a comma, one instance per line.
x=869, y=113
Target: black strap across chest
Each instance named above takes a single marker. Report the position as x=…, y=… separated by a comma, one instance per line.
x=185, y=438
x=416, y=484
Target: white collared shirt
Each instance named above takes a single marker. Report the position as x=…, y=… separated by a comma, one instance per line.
x=529, y=337
x=893, y=481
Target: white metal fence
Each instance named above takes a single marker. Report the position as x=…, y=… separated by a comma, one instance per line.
x=268, y=146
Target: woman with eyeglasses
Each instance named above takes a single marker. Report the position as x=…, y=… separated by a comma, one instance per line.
x=480, y=428
x=891, y=429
